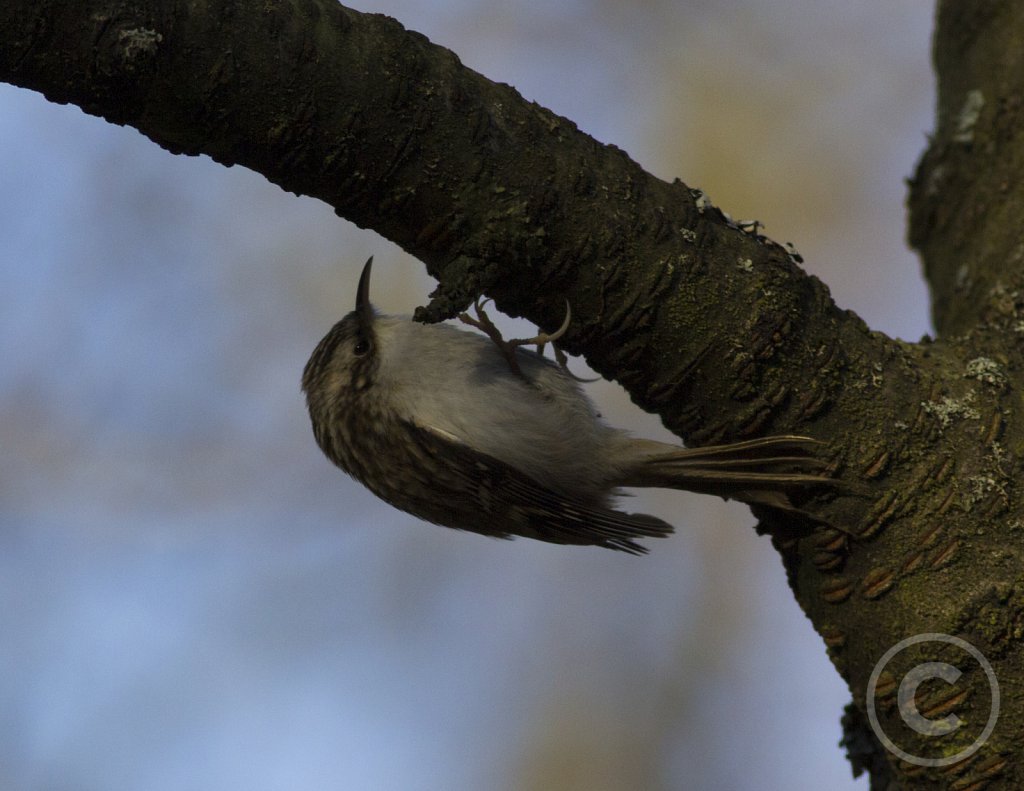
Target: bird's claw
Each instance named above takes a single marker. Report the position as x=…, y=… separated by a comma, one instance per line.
x=508, y=347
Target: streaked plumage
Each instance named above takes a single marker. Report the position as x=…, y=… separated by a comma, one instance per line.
x=432, y=419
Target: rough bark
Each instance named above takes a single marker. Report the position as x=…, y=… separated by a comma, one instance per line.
x=712, y=326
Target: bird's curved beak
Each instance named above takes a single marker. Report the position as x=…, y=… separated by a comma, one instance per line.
x=363, y=307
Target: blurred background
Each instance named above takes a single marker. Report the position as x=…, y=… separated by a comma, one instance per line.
x=194, y=598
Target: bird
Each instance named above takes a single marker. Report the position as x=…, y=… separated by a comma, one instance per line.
x=464, y=431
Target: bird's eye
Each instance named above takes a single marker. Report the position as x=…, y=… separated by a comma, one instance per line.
x=362, y=347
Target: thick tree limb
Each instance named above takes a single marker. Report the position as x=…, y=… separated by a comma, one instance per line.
x=967, y=193
x=714, y=327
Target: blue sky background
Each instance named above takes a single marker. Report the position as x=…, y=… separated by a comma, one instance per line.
x=194, y=598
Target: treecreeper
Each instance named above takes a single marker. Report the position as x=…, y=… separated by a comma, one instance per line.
x=466, y=431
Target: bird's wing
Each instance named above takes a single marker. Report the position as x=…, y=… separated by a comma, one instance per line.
x=492, y=497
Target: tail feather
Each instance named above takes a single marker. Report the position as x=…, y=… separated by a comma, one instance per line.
x=764, y=471
x=747, y=449
x=804, y=462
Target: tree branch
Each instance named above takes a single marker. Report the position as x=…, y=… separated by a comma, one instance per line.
x=493, y=193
